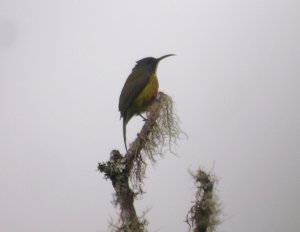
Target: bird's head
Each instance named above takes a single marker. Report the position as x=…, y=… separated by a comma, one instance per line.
x=150, y=63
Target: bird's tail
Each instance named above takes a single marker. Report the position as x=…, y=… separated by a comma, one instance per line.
x=124, y=132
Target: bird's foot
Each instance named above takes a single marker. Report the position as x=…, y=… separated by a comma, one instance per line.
x=144, y=119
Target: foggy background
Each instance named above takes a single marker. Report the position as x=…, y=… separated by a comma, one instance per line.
x=235, y=83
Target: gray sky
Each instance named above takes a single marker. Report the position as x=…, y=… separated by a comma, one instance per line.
x=235, y=83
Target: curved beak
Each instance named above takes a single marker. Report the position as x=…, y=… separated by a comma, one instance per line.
x=163, y=57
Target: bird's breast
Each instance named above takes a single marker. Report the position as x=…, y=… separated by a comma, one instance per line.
x=148, y=94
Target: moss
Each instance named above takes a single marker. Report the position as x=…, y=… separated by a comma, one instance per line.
x=159, y=135
x=204, y=214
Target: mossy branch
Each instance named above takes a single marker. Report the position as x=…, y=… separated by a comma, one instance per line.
x=204, y=214
x=160, y=128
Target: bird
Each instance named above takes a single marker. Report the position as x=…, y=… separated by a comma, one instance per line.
x=140, y=90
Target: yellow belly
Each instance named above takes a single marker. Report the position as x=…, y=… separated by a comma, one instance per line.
x=147, y=96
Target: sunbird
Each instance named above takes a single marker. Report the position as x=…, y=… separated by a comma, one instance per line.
x=139, y=90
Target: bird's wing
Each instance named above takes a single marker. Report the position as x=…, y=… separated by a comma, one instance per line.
x=133, y=86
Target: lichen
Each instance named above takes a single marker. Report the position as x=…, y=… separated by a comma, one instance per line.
x=203, y=216
x=158, y=139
